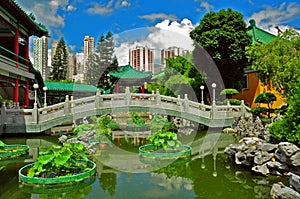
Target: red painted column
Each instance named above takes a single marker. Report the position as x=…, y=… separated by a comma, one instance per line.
x=26, y=103
x=143, y=88
x=16, y=49
x=118, y=87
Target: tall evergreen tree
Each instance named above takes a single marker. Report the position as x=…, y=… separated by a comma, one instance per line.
x=101, y=62
x=224, y=36
x=59, y=62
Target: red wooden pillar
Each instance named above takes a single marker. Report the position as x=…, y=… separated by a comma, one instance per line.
x=118, y=87
x=16, y=49
x=143, y=88
x=26, y=103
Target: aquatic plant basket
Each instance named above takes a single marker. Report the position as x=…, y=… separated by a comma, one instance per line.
x=63, y=179
x=57, y=188
x=20, y=150
x=150, y=151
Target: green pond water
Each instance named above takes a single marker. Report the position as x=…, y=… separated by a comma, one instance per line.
x=121, y=174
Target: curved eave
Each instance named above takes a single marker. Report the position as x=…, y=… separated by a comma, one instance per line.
x=13, y=7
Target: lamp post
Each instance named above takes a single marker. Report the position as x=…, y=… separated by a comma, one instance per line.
x=214, y=93
x=45, y=95
x=202, y=88
x=35, y=86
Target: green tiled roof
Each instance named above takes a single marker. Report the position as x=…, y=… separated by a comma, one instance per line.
x=259, y=35
x=58, y=86
x=127, y=72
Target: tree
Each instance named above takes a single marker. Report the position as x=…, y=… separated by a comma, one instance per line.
x=101, y=62
x=288, y=128
x=266, y=98
x=224, y=36
x=180, y=76
x=59, y=62
x=277, y=62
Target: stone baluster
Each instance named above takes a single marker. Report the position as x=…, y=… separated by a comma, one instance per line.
x=3, y=113
x=243, y=109
x=97, y=99
x=72, y=105
x=67, y=105
x=35, y=113
x=186, y=103
x=127, y=96
x=158, y=97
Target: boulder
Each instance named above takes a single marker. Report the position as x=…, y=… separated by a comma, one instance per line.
x=294, y=181
x=262, y=169
x=295, y=159
x=277, y=168
x=284, y=151
x=282, y=192
x=244, y=158
x=266, y=147
x=262, y=157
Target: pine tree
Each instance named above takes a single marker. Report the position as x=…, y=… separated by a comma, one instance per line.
x=59, y=62
x=101, y=62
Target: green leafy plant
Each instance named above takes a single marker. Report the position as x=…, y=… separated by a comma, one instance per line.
x=55, y=161
x=165, y=140
x=161, y=123
x=266, y=98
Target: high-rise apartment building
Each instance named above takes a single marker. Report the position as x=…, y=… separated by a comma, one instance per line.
x=142, y=58
x=171, y=52
x=40, y=55
x=88, y=49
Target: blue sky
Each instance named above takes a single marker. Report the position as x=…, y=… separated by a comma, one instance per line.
x=73, y=19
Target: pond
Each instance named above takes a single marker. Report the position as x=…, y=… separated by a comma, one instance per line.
x=121, y=174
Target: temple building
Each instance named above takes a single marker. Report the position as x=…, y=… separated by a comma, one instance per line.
x=17, y=74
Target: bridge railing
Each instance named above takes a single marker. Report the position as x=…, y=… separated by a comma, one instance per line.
x=73, y=107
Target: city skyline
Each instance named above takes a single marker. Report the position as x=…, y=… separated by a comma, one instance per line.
x=143, y=22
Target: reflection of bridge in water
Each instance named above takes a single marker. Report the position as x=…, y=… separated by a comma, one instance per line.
x=116, y=159
x=41, y=119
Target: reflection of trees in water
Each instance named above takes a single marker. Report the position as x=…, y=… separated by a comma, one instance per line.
x=108, y=182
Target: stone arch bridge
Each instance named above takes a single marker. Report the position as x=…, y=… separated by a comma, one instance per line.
x=37, y=120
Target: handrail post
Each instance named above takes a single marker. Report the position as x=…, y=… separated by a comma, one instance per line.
x=243, y=109
x=66, y=105
x=3, y=113
x=186, y=103
x=35, y=114
x=72, y=104
x=97, y=99
x=158, y=97
x=127, y=96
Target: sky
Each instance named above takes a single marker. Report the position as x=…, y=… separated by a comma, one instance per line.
x=156, y=23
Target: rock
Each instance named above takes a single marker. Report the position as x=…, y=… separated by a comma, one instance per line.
x=283, y=192
x=262, y=169
x=277, y=167
x=284, y=151
x=262, y=157
x=229, y=130
x=242, y=158
x=294, y=181
x=266, y=147
x=295, y=159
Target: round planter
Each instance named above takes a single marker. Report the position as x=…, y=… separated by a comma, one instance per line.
x=63, y=179
x=149, y=151
x=20, y=150
x=57, y=188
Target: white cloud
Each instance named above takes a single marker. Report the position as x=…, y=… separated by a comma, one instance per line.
x=165, y=34
x=40, y=7
x=276, y=16
x=107, y=9
x=161, y=16
x=204, y=4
